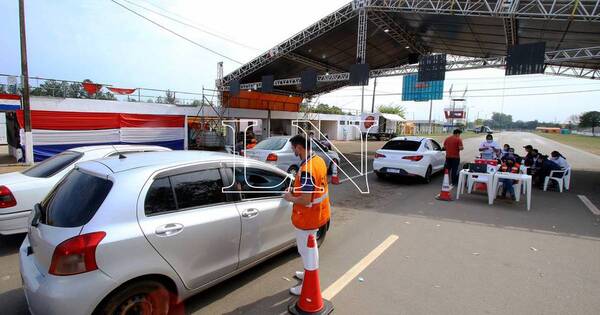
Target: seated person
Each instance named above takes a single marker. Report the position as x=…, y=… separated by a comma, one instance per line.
x=489, y=148
x=509, y=165
x=505, y=148
x=528, y=159
x=559, y=159
x=545, y=167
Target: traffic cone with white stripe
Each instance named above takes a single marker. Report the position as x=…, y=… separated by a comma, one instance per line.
x=311, y=301
x=335, y=179
x=445, y=193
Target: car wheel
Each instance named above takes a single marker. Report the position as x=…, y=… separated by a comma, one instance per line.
x=321, y=233
x=427, y=178
x=144, y=297
x=380, y=175
x=293, y=170
x=330, y=169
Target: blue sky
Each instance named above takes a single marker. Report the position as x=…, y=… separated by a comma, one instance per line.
x=99, y=40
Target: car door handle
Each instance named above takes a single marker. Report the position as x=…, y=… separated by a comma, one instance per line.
x=169, y=229
x=250, y=213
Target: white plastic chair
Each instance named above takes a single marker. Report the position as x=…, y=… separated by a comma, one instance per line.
x=564, y=180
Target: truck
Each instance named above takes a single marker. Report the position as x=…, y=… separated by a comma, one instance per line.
x=379, y=125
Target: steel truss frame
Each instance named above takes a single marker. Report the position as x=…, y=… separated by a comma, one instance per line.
x=396, y=31
x=579, y=10
x=361, y=34
x=339, y=17
x=455, y=63
x=312, y=63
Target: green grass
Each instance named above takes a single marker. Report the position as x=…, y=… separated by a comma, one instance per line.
x=590, y=144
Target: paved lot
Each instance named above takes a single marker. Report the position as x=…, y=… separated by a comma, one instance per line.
x=463, y=257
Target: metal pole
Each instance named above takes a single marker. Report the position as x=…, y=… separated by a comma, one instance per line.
x=25, y=80
x=373, y=101
x=430, y=109
x=362, y=100
x=139, y=95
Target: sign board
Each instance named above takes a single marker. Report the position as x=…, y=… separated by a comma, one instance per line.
x=413, y=90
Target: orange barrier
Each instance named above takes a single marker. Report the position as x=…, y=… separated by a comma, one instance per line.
x=264, y=101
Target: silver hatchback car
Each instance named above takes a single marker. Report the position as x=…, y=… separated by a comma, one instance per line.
x=136, y=235
x=278, y=151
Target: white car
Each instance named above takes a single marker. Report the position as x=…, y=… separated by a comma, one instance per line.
x=278, y=151
x=19, y=191
x=409, y=156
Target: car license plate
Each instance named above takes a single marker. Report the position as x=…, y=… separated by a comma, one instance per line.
x=393, y=170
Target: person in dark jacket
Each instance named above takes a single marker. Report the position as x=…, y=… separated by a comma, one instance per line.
x=545, y=167
x=528, y=159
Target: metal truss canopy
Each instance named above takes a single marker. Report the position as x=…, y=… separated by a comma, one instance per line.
x=584, y=10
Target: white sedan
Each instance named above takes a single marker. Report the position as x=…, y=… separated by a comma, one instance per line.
x=19, y=191
x=409, y=156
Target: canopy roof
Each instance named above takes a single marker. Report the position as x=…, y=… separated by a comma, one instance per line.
x=395, y=29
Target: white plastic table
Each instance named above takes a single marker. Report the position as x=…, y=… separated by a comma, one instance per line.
x=463, y=177
x=526, y=183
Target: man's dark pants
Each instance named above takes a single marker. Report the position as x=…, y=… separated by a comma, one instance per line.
x=452, y=164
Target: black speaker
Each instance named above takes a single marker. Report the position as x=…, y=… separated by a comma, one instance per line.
x=308, y=80
x=359, y=74
x=432, y=68
x=413, y=58
x=525, y=59
x=267, y=83
x=234, y=88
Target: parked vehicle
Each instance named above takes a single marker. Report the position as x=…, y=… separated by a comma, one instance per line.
x=19, y=191
x=483, y=129
x=379, y=126
x=150, y=230
x=409, y=156
x=278, y=151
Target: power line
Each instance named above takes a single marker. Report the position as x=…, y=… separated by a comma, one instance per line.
x=191, y=25
x=175, y=33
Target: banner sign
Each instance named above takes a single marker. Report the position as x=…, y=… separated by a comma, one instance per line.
x=413, y=90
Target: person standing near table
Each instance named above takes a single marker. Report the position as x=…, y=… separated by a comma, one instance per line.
x=310, y=196
x=453, y=146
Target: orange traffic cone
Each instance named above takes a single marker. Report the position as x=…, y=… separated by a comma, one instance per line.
x=445, y=193
x=335, y=179
x=311, y=301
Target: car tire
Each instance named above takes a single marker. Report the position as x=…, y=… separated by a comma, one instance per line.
x=143, y=297
x=293, y=170
x=380, y=175
x=330, y=168
x=427, y=178
x=321, y=233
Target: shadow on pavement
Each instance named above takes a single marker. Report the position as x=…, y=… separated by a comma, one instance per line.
x=13, y=300
x=219, y=291
x=9, y=244
x=274, y=304
x=551, y=211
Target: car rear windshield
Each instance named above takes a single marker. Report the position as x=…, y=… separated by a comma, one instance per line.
x=402, y=145
x=74, y=200
x=53, y=165
x=272, y=144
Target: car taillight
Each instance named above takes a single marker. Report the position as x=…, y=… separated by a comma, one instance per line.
x=379, y=155
x=413, y=157
x=7, y=199
x=272, y=157
x=76, y=255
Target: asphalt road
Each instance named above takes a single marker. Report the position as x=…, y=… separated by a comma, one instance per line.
x=461, y=257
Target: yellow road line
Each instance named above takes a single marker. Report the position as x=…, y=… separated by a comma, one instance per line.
x=343, y=281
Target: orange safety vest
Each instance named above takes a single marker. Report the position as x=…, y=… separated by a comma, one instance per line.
x=317, y=214
x=252, y=144
x=514, y=169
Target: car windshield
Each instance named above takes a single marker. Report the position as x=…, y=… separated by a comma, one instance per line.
x=53, y=165
x=272, y=144
x=402, y=145
x=75, y=199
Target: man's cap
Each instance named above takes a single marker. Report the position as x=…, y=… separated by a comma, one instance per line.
x=528, y=146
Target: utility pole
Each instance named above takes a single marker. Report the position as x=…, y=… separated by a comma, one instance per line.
x=25, y=81
x=362, y=100
x=373, y=101
x=430, y=109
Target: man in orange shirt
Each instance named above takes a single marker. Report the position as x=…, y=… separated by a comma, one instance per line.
x=453, y=146
x=310, y=196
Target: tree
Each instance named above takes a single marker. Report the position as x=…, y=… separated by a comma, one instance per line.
x=590, y=119
x=2, y=89
x=322, y=109
x=68, y=90
x=392, y=109
x=501, y=121
x=170, y=97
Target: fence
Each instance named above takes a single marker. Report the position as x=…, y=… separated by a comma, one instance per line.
x=74, y=89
